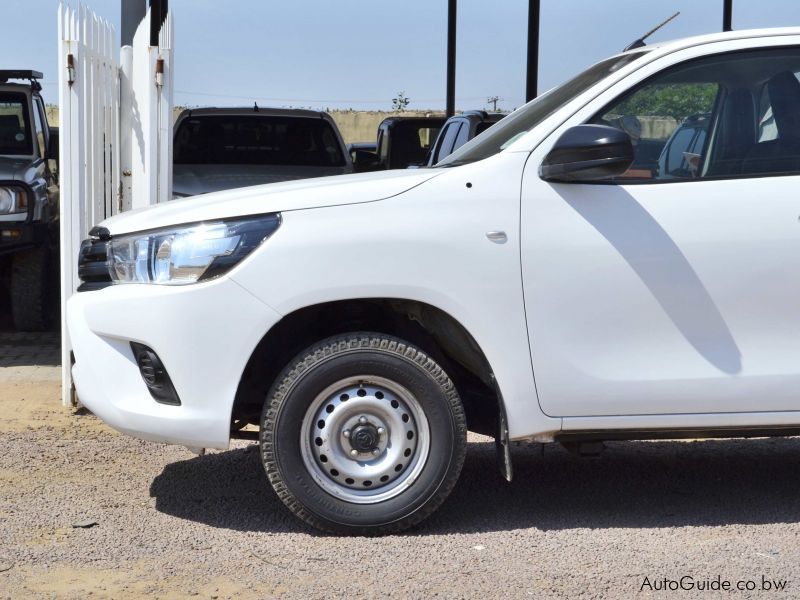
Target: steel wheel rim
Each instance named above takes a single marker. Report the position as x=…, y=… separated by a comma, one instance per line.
x=365, y=439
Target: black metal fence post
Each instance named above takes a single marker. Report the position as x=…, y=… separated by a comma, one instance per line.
x=531, y=88
x=451, y=57
x=133, y=11
x=727, y=15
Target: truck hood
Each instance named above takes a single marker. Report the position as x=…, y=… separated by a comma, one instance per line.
x=190, y=180
x=274, y=197
x=12, y=167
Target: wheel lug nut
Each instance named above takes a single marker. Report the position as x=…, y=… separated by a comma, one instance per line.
x=346, y=433
x=376, y=451
x=381, y=431
x=353, y=452
x=362, y=420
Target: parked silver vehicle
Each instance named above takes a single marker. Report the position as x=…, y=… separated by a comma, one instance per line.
x=225, y=148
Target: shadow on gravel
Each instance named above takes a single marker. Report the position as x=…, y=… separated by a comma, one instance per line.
x=633, y=484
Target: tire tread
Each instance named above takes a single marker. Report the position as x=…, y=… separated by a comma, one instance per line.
x=333, y=347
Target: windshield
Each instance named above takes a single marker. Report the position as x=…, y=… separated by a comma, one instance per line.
x=257, y=140
x=15, y=130
x=521, y=121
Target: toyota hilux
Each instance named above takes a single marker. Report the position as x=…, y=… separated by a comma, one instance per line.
x=545, y=282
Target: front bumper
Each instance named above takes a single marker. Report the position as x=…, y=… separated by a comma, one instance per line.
x=204, y=334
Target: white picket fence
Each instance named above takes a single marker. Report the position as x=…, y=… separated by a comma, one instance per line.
x=115, y=139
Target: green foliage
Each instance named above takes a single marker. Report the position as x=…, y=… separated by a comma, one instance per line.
x=678, y=100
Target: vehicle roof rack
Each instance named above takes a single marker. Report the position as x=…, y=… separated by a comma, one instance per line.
x=6, y=74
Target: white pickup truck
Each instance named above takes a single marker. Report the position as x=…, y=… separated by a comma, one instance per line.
x=546, y=282
x=219, y=149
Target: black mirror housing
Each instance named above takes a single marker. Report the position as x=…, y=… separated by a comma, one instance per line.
x=588, y=153
x=52, y=144
x=364, y=157
x=365, y=161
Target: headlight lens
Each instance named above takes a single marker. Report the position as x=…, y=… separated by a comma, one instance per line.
x=12, y=201
x=187, y=254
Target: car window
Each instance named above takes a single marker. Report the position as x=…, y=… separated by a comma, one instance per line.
x=411, y=141
x=534, y=112
x=463, y=136
x=482, y=127
x=767, y=128
x=38, y=129
x=654, y=116
x=257, y=140
x=448, y=139
x=437, y=146
x=383, y=148
x=681, y=153
x=15, y=130
x=714, y=117
x=427, y=136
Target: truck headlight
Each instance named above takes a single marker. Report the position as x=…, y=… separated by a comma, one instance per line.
x=189, y=253
x=12, y=201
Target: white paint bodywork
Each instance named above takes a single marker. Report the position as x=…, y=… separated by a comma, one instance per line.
x=668, y=306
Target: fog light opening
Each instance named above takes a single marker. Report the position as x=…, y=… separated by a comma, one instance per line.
x=155, y=375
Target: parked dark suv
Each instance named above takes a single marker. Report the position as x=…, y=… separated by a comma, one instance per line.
x=458, y=130
x=28, y=202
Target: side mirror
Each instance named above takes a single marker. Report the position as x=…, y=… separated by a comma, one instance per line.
x=52, y=145
x=586, y=153
x=364, y=160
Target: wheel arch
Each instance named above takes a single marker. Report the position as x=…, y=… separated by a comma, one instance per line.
x=432, y=329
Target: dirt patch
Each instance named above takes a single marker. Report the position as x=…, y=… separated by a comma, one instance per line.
x=26, y=405
x=128, y=582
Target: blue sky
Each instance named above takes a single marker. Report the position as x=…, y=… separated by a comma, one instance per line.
x=360, y=53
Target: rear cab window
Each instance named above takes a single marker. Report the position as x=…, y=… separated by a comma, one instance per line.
x=257, y=140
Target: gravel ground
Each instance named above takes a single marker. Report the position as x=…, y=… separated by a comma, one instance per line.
x=173, y=525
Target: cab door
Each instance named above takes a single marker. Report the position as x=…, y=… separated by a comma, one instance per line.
x=663, y=293
x=48, y=168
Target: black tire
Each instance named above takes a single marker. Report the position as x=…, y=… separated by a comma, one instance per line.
x=33, y=292
x=323, y=365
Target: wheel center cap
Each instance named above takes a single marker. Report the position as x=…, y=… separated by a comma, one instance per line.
x=364, y=437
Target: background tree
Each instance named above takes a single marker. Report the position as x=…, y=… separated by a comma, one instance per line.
x=678, y=100
x=400, y=102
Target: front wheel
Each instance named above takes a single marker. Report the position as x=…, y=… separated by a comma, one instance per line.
x=363, y=434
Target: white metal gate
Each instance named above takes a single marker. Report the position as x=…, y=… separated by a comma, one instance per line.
x=115, y=138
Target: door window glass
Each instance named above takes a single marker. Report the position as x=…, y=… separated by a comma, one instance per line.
x=463, y=136
x=39, y=129
x=446, y=147
x=661, y=120
x=729, y=115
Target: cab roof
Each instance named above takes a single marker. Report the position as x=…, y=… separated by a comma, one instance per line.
x=697, y=40
x=255, y=110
